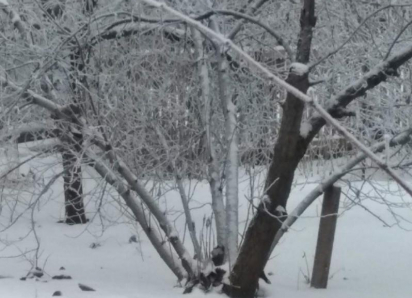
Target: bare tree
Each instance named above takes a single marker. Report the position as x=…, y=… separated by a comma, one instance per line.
x=145, y=90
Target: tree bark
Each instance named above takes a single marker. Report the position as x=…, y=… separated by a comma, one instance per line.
x=231, y=162
x=73, y=188
x=289, y=150
x=401, y=139
x=216, y=187
x=137, y=208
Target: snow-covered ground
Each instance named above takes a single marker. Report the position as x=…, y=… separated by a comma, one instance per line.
x=369, y=259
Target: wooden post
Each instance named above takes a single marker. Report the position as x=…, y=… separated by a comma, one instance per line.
x=326, y=236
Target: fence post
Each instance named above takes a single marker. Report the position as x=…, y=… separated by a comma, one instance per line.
x=326, y=236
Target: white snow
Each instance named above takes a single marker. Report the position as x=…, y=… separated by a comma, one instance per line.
x=280, y=49
x=208, y=267
x=16, y=18
x=119, y=269
x=173, y=234
x=305, y=129
x=280, y=209
x=266, y=199
x=299, y=68
x=4, y=2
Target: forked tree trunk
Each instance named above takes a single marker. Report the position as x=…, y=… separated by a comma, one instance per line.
x=289, y=150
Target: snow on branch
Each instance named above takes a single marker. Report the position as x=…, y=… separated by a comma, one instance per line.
x=299, y=69
x=305, y=128
x=130, y=28
x=122, y=168
x=370, y=80
x=359, y=88
x=400, y=139
x=14, y=17
x=110, y=177
x=281, y=41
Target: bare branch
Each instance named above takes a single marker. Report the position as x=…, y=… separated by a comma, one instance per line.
x=314, y=64
x=386, y=68
x=314, y=194
x=144, y=220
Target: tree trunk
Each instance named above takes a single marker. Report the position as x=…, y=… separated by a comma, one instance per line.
x=231, y=162
x=289, y=149
x=73, y=188
x=144, y=220
x=216, y=187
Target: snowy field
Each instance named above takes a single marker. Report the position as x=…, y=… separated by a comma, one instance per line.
x=369, y=259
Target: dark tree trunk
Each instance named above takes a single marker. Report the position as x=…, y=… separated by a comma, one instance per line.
x=73, y=189
x=72, y=138
x=289, y=150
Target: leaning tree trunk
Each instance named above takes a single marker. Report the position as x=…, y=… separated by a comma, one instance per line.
x=289, y=150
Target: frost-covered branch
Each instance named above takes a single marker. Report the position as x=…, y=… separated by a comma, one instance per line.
x=135, y=206
x=189, y=221
x=400, y=139
x=62, y=113
x=14, y=17
x=185, y=202
x=373, y=78
x=280, y=39
x=132, y=28
x=251, y=11
x=366, y=19
x=377, y=75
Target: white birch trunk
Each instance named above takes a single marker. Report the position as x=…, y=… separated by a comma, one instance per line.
x=231, y=164
x=185, y=202
x=135, y=206
x=189, y=221
x=187, y=261
x=216, y=187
